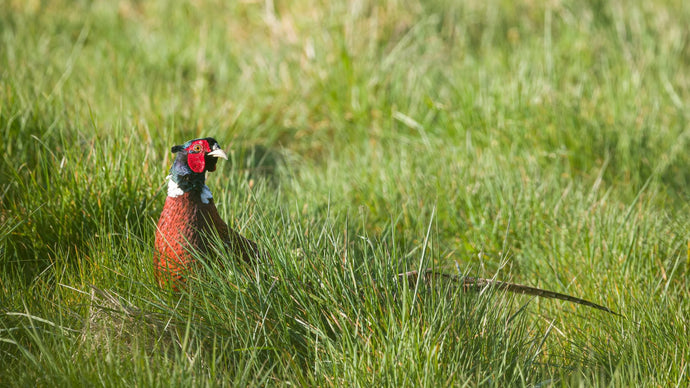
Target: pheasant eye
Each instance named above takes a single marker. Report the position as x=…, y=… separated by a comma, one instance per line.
x=197, y=148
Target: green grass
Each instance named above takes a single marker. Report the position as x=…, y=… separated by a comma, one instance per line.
x=544, y=144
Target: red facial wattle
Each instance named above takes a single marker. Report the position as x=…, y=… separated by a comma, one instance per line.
x=196, y=155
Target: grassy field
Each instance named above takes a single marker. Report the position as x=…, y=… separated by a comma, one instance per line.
x=544, y=143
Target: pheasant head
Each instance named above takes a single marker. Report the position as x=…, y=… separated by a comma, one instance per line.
x=192, y=160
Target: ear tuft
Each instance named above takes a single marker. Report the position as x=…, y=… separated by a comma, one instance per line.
x=176, y=149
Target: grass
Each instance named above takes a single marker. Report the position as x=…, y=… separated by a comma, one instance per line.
x=541, y=143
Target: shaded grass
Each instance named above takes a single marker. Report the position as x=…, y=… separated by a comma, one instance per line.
x=542, y=144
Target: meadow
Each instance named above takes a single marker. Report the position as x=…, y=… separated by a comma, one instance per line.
x=543, y=143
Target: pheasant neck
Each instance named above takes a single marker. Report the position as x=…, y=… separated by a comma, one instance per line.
x=176, y=190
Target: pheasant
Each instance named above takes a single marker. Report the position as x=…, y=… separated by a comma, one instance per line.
x=190, y=221
x=190, y=218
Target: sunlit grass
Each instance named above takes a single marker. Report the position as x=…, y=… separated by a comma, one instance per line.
x=543, y=144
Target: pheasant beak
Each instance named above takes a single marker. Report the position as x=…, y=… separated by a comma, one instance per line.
x=219, y=153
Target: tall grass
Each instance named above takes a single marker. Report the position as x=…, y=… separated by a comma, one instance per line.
x=542, y=143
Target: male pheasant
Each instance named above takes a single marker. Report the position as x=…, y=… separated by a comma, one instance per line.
x=190, y=221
